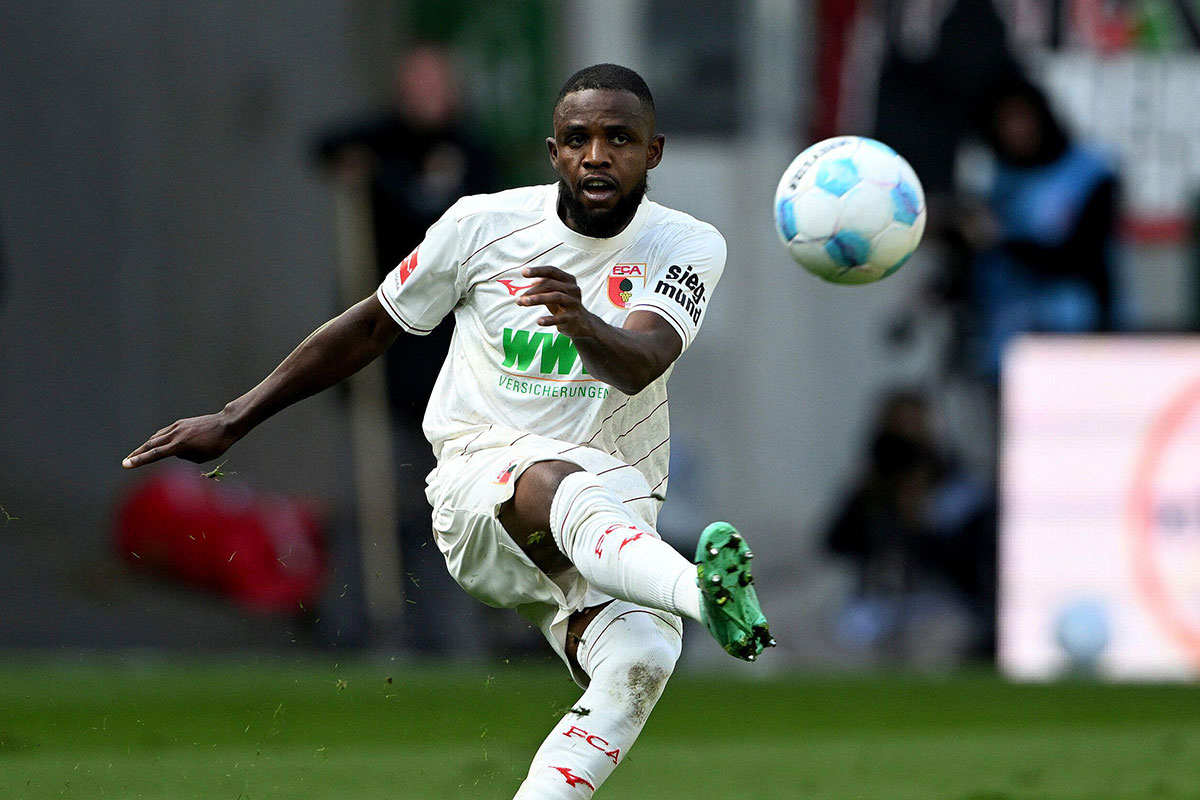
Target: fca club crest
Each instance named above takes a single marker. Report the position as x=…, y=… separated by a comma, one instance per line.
x=624, y=281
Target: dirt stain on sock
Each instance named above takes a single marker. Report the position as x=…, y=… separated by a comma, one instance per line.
x=646, y=683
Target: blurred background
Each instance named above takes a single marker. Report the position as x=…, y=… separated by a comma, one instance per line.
x=188, y=189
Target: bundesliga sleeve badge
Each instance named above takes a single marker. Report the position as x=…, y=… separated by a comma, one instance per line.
x=624, y=281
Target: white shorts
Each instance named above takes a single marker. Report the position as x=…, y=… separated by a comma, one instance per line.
x=466, y=492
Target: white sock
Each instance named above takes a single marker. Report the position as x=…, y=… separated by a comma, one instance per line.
x=628, y=652
x=617, y=552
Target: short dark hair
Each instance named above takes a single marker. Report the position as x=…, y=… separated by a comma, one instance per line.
x=608, y=76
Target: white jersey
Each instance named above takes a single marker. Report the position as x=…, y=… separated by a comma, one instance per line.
x=505, y=373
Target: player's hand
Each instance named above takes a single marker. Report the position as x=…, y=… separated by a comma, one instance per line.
x=559, y=293
x=197, y=439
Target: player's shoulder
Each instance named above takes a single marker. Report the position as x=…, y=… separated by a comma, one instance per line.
x=681, y=228
x=488, y=208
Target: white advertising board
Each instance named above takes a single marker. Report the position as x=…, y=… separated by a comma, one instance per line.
x=1100, y=507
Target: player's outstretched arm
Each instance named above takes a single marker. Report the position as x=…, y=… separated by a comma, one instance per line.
x=334, y=351
x=628, y=357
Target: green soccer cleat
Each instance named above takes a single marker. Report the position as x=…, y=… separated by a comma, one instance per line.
x=728, y=603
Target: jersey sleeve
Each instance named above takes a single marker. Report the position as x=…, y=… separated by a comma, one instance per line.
x=679, y=291
x=424, y=287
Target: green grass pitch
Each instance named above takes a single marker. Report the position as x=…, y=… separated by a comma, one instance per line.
x=316, y=728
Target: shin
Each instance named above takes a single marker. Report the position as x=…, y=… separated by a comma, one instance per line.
x=629, y=653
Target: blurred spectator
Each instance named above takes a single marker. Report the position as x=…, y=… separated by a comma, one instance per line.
x=906, y=72
x=416, y=158
x=937, y=57
x=1043, y=238
x=920, y=531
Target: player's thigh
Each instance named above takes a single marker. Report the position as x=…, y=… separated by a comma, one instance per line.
x=526, y=515
x=469, y=491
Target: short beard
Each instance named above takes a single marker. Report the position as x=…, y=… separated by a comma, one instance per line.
x=603, y=224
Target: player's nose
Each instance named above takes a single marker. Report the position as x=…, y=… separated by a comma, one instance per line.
x=596, y=154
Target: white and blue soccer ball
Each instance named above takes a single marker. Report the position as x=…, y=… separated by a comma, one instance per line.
x=850, y=210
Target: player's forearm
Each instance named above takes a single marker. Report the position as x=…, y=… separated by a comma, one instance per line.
x=629, y=357
x=330, y=354
x=629, y=360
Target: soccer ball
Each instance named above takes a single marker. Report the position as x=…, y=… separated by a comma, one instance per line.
x=850, y=210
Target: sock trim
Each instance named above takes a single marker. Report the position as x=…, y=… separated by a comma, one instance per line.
x=607, y=616
x=558, y=522
x=652, y=613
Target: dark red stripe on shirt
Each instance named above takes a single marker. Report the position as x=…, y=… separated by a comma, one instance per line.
x=498, y=238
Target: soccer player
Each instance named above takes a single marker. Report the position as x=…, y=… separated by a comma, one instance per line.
x=549, y=417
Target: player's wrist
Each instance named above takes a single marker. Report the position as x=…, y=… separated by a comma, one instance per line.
x=590, y=328
x=236, y=419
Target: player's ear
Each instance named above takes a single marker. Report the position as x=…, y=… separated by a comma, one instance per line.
x=655, y=150
x=552, y=145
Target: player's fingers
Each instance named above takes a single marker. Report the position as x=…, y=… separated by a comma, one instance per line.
x=157, y=440
x=140, y=449
x=548, y=272
x=566, y=283
x=143, y=456
x=548, y=298
x=568, y=286
x=540, y=285
x=169, y=428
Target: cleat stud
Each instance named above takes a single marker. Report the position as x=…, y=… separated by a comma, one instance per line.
x=715, y=579
x=712, y=551
x=751, y=657
x=736, y=537
x=749, y=555
x=771, y=642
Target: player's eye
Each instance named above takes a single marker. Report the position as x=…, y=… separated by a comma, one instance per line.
x=620, y=138
x=575, y=140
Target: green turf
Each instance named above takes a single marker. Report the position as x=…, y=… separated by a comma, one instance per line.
x=320, y=729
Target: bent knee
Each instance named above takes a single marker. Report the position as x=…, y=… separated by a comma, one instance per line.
x=533, y=494
x=543, y=477
x=657, y=657
x=646, y=678
x=635, y=657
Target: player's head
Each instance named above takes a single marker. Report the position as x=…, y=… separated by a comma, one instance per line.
x=604, y=143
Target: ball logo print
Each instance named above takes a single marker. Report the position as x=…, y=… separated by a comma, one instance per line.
x=850, y=210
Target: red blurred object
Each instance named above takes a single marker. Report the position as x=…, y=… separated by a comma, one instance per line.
x=1164, y=229
x=266, y=552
